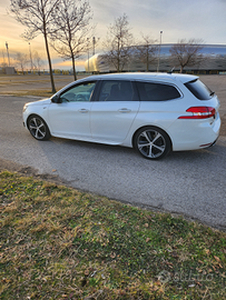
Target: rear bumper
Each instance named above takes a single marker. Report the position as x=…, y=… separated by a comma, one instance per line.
x=199, y=134
x=214, y=143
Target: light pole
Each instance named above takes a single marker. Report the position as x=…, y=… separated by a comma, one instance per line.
x=7, y=49
x=30, y=56
x=88, y=52
x=160, y=43
x=94, y=44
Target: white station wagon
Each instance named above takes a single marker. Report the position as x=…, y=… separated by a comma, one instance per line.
x=154, y=113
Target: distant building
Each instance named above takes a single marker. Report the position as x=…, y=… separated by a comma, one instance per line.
x=7, y=70
x=214, y=62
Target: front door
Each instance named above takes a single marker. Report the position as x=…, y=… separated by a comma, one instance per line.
x=71, y=117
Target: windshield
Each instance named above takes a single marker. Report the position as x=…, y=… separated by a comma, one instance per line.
x=199, y=89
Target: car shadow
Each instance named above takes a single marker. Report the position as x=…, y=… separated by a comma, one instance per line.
x=114, y=150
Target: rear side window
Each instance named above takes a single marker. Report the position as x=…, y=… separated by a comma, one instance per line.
x=199, y=89
x=157, y=91
x=117, y=90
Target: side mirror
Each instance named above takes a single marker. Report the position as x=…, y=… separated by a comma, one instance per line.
x=56, y=99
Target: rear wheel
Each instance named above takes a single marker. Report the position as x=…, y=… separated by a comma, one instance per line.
x=152, y=143
x=38, y=128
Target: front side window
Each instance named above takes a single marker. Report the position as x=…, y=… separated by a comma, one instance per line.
x=117, y=90
x=79, y=93
x=150, y=91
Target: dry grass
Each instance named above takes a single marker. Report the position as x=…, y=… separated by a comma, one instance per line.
x=45, y=93
x=58, y=243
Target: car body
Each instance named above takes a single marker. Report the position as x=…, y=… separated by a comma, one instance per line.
x=153, y=112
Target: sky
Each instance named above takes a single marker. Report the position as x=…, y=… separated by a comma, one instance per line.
x=178, y=19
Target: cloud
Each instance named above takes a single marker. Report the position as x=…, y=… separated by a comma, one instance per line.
x=177, y=19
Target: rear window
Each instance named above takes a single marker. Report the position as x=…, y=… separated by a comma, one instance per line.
x=157, y=92
x=199, y=89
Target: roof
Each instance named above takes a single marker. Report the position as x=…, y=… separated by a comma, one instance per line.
x=167, y=77
x=161, y=77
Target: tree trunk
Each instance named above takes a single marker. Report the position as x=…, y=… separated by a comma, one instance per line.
x=118, y=58
x=147, y=60
x=50, y=64
x=73, y=66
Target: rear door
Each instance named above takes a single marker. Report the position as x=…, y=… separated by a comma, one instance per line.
x=114, y=111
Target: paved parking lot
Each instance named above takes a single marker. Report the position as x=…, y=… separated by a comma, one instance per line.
x=218, y=84
x=191, y=183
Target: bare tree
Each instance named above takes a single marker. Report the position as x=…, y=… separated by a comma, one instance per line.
x=71, y=21
x=37, y=62
x=118, y=43
x=187, y=53
x=21, y=61
x=146, y=51
x=36, y=15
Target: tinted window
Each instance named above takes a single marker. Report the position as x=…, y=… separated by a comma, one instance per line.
x=157, y=92
x=79, y=93
x=117, y=90
x=199, y=89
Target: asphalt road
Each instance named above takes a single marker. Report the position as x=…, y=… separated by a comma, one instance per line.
x=191, y=183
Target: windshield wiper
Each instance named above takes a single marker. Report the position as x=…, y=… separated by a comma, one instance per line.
x=212, y=93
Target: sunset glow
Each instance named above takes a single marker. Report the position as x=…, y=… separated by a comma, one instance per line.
x=181, y=19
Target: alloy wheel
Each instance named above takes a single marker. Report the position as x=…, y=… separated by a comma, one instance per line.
x=152, y=143
x=38, y=128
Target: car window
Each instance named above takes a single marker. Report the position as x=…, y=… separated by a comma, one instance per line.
x=150, y=91
x=117, y=90
x=199, y=89
x=79, y=93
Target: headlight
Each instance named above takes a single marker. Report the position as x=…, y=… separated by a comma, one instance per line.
x=25, y=107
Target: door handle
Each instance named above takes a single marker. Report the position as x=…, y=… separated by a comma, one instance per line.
x=83, y=110
x=124, y=110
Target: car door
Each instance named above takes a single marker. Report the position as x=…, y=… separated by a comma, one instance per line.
x=70, y=118
x=114, y=111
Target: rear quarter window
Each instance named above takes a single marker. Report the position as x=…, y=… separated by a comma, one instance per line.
x=149, y=91
x=199, y=89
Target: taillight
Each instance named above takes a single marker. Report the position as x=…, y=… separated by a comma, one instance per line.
x=199, y=112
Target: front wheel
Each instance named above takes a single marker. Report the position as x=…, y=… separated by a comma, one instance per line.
x=38, y=128
x=152, y=143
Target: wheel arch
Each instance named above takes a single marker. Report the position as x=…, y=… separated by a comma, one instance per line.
x=35, y=115
x=153, y=126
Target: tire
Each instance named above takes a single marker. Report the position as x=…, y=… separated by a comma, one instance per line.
x=38, y=128
x=152, y=143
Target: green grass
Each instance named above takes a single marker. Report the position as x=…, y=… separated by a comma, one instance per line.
x=59, y=243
